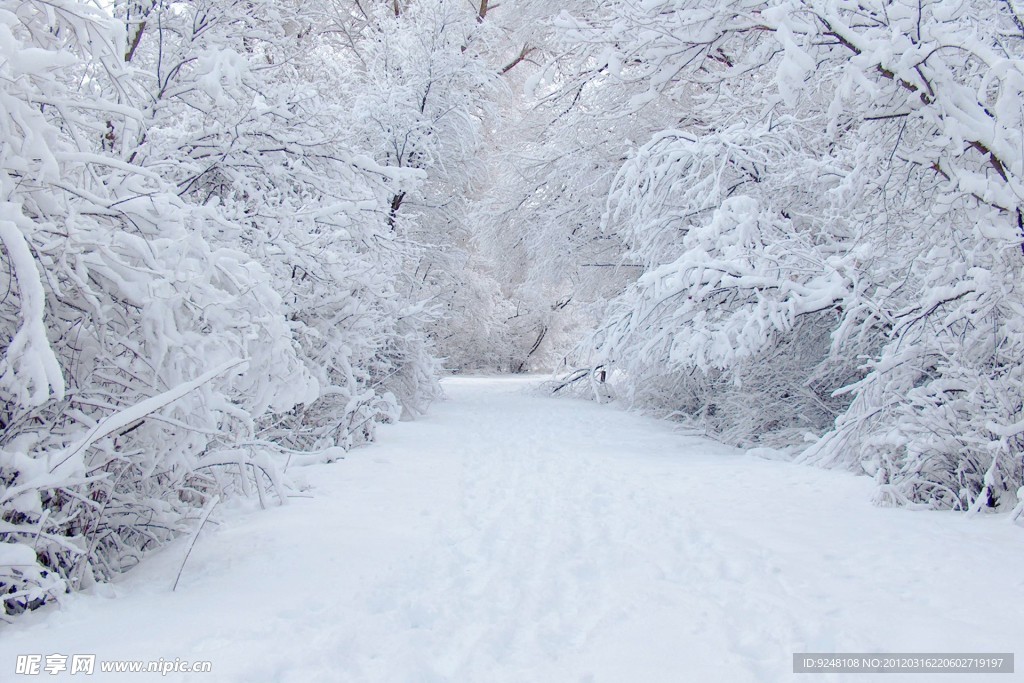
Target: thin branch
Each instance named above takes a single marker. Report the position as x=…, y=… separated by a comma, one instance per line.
x=523, y=54
x=195, y=535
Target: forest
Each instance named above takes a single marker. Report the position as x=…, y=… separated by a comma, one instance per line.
x=237, y=236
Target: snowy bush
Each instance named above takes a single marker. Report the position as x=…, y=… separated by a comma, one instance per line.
x=252, y=115
x=124, y=398
x=830, y=231
x=199, y=279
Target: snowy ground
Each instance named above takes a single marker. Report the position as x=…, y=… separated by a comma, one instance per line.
x=510, y=537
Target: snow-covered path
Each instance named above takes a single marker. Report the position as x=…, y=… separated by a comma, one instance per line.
x=511, y=537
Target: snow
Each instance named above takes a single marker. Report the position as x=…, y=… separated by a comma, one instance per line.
x=123, y=418
x=29, y=370
x=511, y=537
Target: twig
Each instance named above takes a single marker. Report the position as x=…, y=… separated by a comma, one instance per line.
x=195, y=535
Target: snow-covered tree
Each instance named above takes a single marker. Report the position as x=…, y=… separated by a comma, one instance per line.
x=420, y=100
x=537, y=225
x=201, y=282
x=139, y=352
x=257, y=118
x=830, y=232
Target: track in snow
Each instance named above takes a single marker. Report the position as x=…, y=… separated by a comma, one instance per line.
x=511, y=537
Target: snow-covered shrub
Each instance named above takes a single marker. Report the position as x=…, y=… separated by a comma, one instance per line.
x=831, y=227
x=139, y=354
x=735, y=331
x=198, y=275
